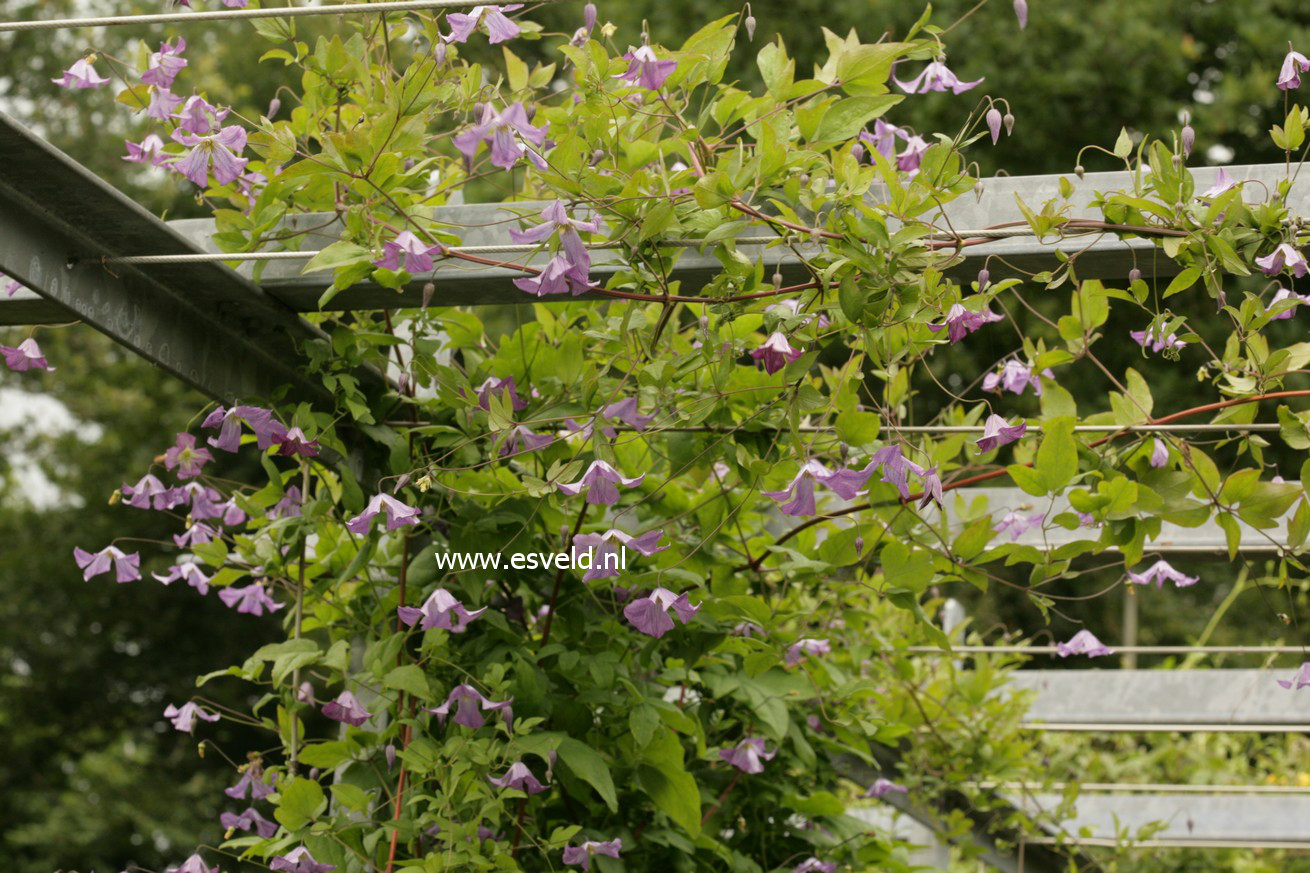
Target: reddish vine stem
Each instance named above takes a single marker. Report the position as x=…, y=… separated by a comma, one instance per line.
x=736, y=777
x=405, y=733
x=994, y=474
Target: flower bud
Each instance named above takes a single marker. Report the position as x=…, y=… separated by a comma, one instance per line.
x=273, y=106
x=1009, y=123
x=1188, y=138
x=439, y=52
x=983, y=278
x=750, y=28
x=1134, y=275
x=859, y=545
x=994, y=123
x=428, y=290
x=1079, y=171
x=1021, y=12
x=857, y=152
x=777, y=278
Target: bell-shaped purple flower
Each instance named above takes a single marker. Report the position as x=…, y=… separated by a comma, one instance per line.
x=470, y=706
x=1289, y=76
x=582, y=34
x=441, y=610
x=561, y=275
x=932, y=488
x=346, y=709
x=1016, y=524
x=251, y=784
x=194, y=864
x=1159, y=453
x=165, y=64
x=814, y=865
x=199, y=116
x=398, y=514
x=936, y=77
x=518, y=777
x=600, y=481
x=1159, y=572
x=1283, y=294
x=149, y=151
x=163, y=104
x=776, y=353
x=508, y=133
x=609, y=543
x=247, y=820
x=1151, y=337
x=294, y=442
x=409, y=253
x=186, y=458
x=267, y=429
x=803, y=648
x=1285, y=257
x=881, y=787
x=994, y=121
x=797, y=499
x=289, y=505
x=80, y=75
x=149, y=493
x=219, y=153
x=1015, y=377
x=1300, y=679
x=127, y=568
x=197, y=535
x=491, y=18
x=298, y=860
x=521, y=440
x=184, y=717
x=188, y=570
x=645, y=69
x=1222, y=182
x=748, y=756
x=580, y=856
x=1083, y=643
x=1021, y=12
x=499, y=386
x=26, y=356
x=883, y=139
x=253, y=599
x=650, y=614
x=960, y=322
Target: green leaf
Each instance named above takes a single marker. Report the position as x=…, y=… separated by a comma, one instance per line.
x=587, y=764
x=1031, y=481
x=350, y=796
x=408, y=678
x=848, y=116
x=1123, y=146
x=1184, y=280
x=1057, y=458
x=776, y=68
x=339, y=254
x=901, y=568
x=300, y=803
x=325, y=756
x=666, y=781
x=643, y=721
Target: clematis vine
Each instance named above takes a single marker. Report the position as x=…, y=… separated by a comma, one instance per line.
x=580, y=856
x=267, y=429
x=251, y=785
x=398, y=514
x=184, y=717
x=186, y=458
x=1151, y=337
x=1289, y=76
x=1015, y=377
x=936, y=77
x=218, y=153
x=520, y=778
x=442, y=610
x=1283, y=294
x=645, y=69
x=1083, y=643
x=491, y=19
x=406, y=252
x=165, y=64
x=960, y=322
x=609, y=543
x=188, y=571
x=26, y=356
x=81, y=75
x=346, y=709
x=1017, y=524
x=470, y=706
x=803, y=648
x=650, y=614
x=499, y=386
x=247, y=820
x=1159, y=572
x=508, y=133
x=1285, y=257
x=253, y=599
x=1300, y=679
x=881, y=787
x=797, y=499
x=299, y=860
x=127, y=568
x=600, y=482
x=570, y=270
x=748, y=756
x=776, y=353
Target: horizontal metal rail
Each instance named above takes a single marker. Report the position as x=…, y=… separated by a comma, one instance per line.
x=1118, y=650
x=1162, y=728
x=1141, y=787
x=1109, y=843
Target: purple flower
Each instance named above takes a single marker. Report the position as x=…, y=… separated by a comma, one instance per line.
x=163, y=103
x=1301, y=678
x=500, y=386
x=218, y=151
x=799, y=493
x=250, y=784
x=13, y=287
x=884, y=136
x=518, y=777
x=1286, y=256
x=184, y=717
x=294, y=442
x=650, y=614
x=645, y=69
x=27, y=356
x=197, y=535
x=200, y=116
x=521, y=440
x=802, y=648
x=582, y=34
x=1017, y=524
x=997, y=433
x=882, y=787
x=600, y=481
x=748, y=756
x=960, y=322
x=561, y=275
x=80, y=75
x=289, y=505
x=936, y=77
x=148, y=492
x=298, y=860
x=1021, y=12
x=346, y=709
x=911, y=156
x=555, y=220
x=150, y=150
x=253, y=599
x=506, y=133
x=247, y=820
x=267, y=429
x=493, y=21
x=184, y=456
x=580, y=856
x=440, y=610
x=776, y=353
x=814, y=865
x=1294, y=65
x=127, y=568
x=1159, y=572
x=188, y=570
x=569, y=271
x=1159, y=453
x=471, y=705
x=165, y=64
x=1083, y=643
x=408, y=252
x=398, y=514
x=1222, y=182
x=747, y=629
x=194, y=864
x=305, y=693
x=1015, y=377
x=932, y=488
x=609, y=543
x=1151, y=337
x=1284, y=294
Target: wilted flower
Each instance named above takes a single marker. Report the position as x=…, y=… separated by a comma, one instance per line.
x=645, y=69
x=1159, y=572
x=407, y=252
x=492, y=19
x=184, y=717
x=748, y=756
x=1286, y=256
x=609, y=543
x=600, y=481
x=1083, y=643
x=1017, y=524
x=798, y=650
x=471, y=705
x=881, y=787
x=997, y=433
x=247, y=820
x=936, y=77
x=580, y=856
x=776, y=353
x=127, y=568
x=253, y=599
x=518, y=777
x=298, y=860
x=1289, y=76
x=26, y=356
x=186, y=458
x=960, y=322
x=650, y=614
x=505, y=132
x=398, y=514
x=1301, y=678
x=441, y=610
x=346, y=709
x=80, y=75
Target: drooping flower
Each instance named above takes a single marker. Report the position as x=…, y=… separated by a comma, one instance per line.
x=624, y=410
x=582, y=34
x=997, y=433
x=253, y=599
x=305, y=693
x=1187, y=139
x=289, y=505
x=960, y=322
x=748, y=756
x=149, y=151
x=776, y=353
x=294, y=442
x=184, y=717
x=1083, y=643
x=165, y=64
x=518, y=777
x=1015, y=377
x=409, y=253
x=194, y=864
x=609, y=543
x=127, y=568
x=247, y=820
x=188, y=570
x=1159, y=572
x=883, y=139
x=1294, y=65
x=200, y=116
x=441, y=610
x=650, y=614
x=499, y=386
x=580, y=856
x=298, y=860
x=267, y=429
x=398, y=514
x=799, y=650
x=571, y=269
x=219, y=152
x=1283, y=294
x=994, y=120
x=1151, y=337
x=895, y=467
x=346, y=709
x=645, y=69
x=163, y=104
x=186, y=458
x=798, y=497
x=1159, y=453
x=561, y=275
x=1222, y=182
x=80, y=75
x=1300, y=679
x=26, y=356
x=881, y=787
x=814, y=865
x=932, y=488
x=936, y=77
x=492, y=19
x=1286, y=256
x=1017, y=524
x=197, y=535
x=911, y=156
x=471, y=705
x=251, y=784
x=508, y=133
x=149, y=493
x=600, y=480
x=555, y=219
x=520, y=440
